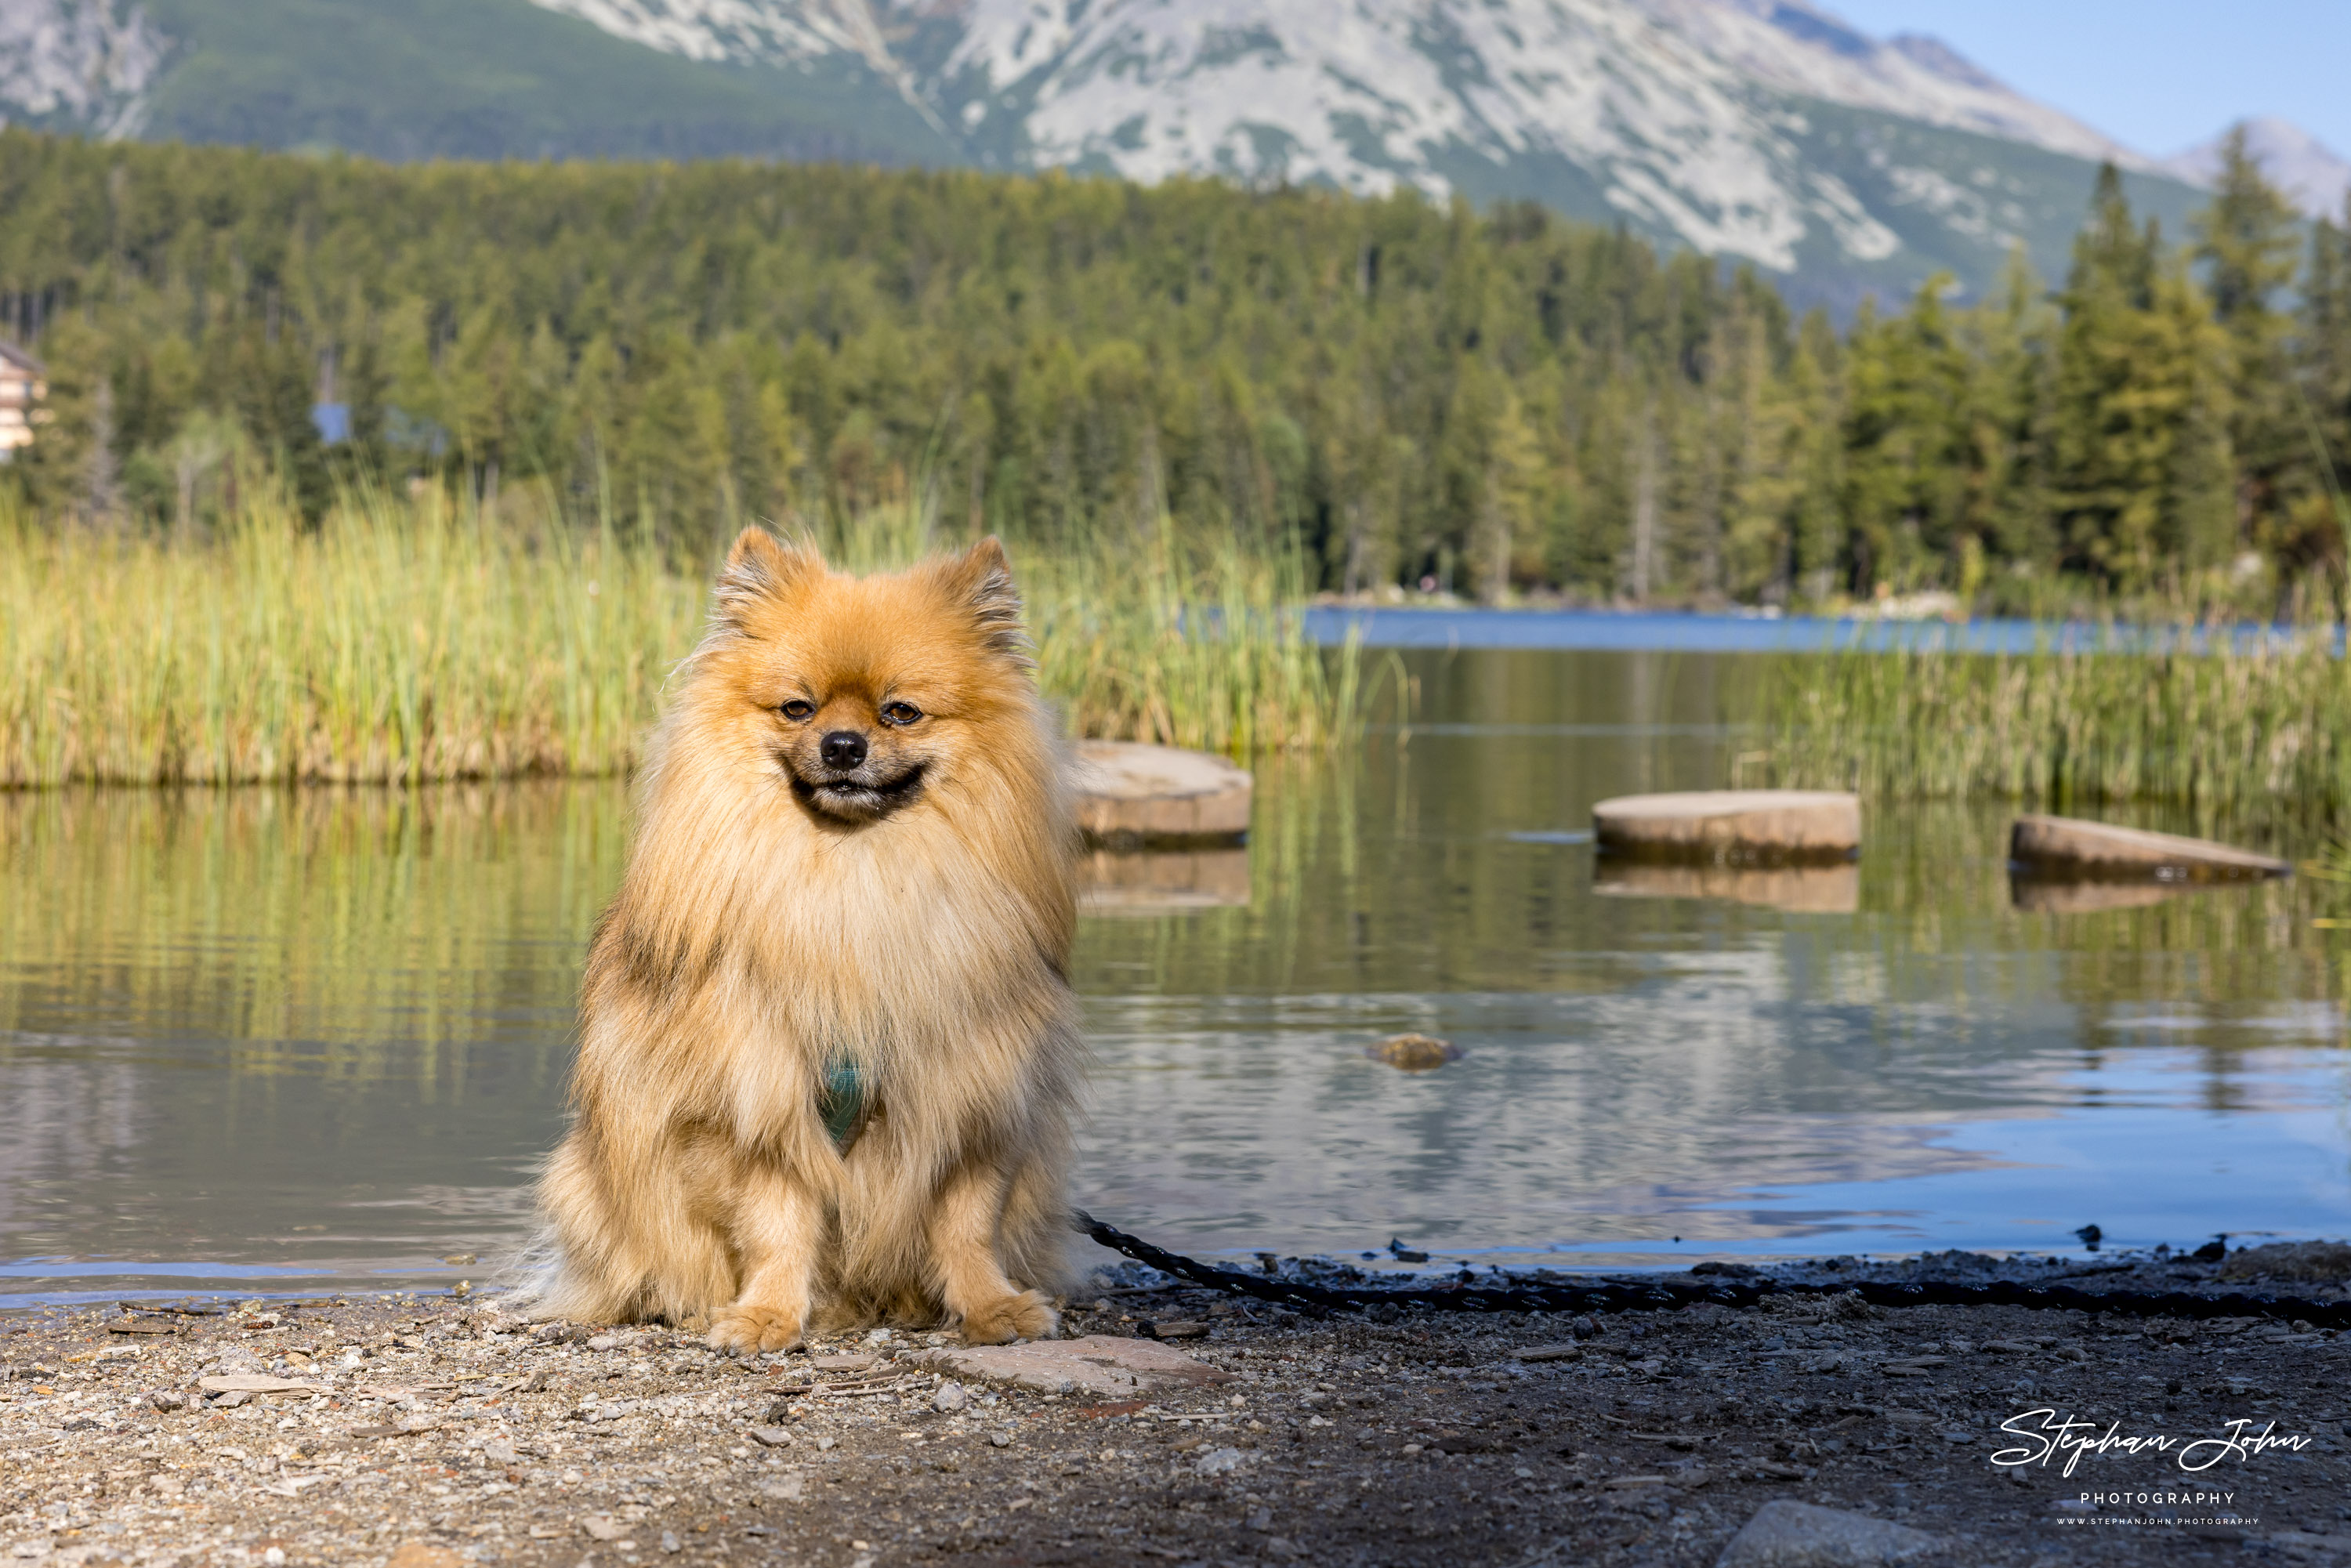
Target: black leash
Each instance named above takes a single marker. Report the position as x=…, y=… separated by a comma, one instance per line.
x=1672, y=1294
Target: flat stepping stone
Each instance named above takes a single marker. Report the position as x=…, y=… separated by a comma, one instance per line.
x=2068, y=846
x=1118, y=1368
x=1130, y=794
x=1162, y=881
x=1749, y=825
x=1785, y=1533
x=1799, y=889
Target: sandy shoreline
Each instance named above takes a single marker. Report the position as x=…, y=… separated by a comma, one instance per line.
x=448, y=1431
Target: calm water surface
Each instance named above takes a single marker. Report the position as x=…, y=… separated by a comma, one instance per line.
x=268, y=1041
x=1654, y=631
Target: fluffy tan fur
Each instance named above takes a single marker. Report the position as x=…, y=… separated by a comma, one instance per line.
x=794, y=900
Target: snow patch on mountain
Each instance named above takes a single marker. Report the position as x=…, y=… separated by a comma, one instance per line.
x=1800, y=48
x=1369, y=95
x=2314, y=175
x=794, y=33
x=766, y=31
x=88, y=62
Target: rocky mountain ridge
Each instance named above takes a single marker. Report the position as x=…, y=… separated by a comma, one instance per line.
x=1768, y=132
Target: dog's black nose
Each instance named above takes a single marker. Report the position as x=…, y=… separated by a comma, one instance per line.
x=843, y=748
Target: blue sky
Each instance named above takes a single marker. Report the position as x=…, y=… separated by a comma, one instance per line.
x=2156, y=75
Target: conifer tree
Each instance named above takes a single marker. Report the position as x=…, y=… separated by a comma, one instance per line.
x=2246, y=242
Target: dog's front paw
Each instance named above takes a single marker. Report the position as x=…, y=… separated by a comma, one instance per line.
x=1024, y=1316
x=747, y=1330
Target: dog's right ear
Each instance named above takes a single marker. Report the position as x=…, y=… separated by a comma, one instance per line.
x=758, y=569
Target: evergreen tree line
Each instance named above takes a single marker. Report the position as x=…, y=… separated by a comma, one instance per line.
x=1507, y=403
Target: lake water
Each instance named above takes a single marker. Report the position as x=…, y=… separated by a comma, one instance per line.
x=1653, y=630
x=260, y=1042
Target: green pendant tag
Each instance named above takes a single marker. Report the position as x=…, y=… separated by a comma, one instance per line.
x=842, y=1103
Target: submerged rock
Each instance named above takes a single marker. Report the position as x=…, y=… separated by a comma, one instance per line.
x=1413, y=1053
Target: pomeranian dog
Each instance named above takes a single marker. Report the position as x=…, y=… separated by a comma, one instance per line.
x=829, y=1054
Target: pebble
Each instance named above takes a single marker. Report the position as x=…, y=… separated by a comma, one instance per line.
x=1219, y=1461
x=771, y=1436
x=951, y=1395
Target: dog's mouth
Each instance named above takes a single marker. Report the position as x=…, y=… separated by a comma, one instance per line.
x=860, y=795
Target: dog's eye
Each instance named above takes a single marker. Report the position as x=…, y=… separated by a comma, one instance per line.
x=900, y=713
x=797, y=710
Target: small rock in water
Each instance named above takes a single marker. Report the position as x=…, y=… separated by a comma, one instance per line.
x=950, y=1397
x=1787, y=1534
x=1413, y=1053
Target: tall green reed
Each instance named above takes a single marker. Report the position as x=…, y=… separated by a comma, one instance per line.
x=2231, y=733
x=413, y=639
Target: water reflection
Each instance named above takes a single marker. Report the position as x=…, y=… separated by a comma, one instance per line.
x=258, y=1039
x=1799, y=889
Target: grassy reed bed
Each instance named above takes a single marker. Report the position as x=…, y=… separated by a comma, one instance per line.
x=412, y=641
x=2239, y=735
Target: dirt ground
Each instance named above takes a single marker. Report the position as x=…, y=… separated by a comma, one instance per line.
x=449, y=1431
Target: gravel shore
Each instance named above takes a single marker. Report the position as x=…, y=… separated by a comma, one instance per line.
x=428, y=1432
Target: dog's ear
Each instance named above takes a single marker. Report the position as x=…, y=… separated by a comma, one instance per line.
x=757, y=569
x=980, y=582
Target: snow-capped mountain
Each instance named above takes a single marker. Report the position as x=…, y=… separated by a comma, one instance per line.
x=1369, y=96
x=81, y=63
x=1768, y=130
x=2317, y=177
x=1693, y=120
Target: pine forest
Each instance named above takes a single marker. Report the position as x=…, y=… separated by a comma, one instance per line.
x=1505, y=405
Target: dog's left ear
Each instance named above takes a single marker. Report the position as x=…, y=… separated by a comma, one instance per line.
x=758, y=567
x=980, y=580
